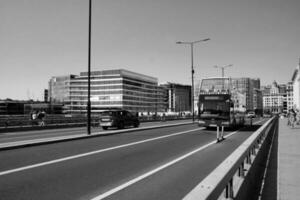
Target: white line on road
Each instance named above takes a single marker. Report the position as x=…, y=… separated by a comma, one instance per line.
x=92, y=153
x=143, y=176
x=127, y=184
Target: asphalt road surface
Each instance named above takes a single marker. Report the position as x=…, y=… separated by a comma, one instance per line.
x=164, y=163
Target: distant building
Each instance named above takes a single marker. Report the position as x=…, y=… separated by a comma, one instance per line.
x=257, y=101
x=289, y=95
x=275, y=98
x=296, y=87
x=59, y=89
x=178, y=97
x=46, y=95
x=250, y=87
x=109, y=89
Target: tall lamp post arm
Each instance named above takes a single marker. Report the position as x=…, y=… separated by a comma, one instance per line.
x=192, y=69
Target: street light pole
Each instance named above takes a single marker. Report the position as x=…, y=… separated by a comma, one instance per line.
x=89, y=72
x=192, y=69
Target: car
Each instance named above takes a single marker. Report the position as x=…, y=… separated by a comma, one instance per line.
x=118, y=119
x=251, y=114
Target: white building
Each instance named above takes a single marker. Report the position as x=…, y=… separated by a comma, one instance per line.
x=289, y=95
x=274, y=98
x=296, y=87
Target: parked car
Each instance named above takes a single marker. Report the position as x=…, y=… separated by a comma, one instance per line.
x=118, y=119
x=251, y=114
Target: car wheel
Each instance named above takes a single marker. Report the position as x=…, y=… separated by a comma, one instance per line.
x=104, y=127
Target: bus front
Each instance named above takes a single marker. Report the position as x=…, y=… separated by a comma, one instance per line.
x=214, y=110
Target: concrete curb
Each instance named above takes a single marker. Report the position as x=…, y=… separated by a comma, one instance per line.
x=36, y=142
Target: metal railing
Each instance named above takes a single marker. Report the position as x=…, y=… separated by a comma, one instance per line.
x=24, y=121
x=227, y=180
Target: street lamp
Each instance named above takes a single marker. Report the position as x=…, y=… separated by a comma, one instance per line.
x=192, y=66
x=89, y=72
x=223, y=67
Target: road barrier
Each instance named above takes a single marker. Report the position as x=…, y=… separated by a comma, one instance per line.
x=239, y=176
x=12, y=123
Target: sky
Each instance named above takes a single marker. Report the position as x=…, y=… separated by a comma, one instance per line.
x=40, y=39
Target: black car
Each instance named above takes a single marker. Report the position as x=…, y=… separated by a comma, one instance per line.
x=118, y=119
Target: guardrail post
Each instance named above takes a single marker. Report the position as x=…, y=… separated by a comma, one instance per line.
x=222, y=133
x=218, y=134
x=241, y=170
x=248, y=158
x=229, y=190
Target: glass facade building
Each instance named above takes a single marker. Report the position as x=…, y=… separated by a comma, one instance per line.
x=177, y=97
x=115, y=89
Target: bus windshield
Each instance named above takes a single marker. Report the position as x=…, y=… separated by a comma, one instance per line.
x=215, y=108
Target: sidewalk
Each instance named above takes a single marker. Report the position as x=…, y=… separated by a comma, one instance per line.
x=288, y=161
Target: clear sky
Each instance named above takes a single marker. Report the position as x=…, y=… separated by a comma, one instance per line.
x=44, y=38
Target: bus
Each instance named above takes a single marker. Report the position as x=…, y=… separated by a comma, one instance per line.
x=220, y=105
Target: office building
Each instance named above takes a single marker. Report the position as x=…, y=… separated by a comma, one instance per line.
x=178, y=97
x=59, y=89
x=114, y=89
x=250, y=87
x=275, y=98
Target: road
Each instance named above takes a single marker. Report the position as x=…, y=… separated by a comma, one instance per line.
x=164, y=163
x=50, y=133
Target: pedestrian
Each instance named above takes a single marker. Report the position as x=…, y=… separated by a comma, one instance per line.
x=33, y=118
x=41, y=116
x=292, y=118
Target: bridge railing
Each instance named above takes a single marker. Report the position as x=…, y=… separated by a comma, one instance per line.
x=13, y=122
x=229, y=179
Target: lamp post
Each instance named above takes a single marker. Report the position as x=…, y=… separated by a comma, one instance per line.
x=223, y=68
x=89, y=72
x=192, y=68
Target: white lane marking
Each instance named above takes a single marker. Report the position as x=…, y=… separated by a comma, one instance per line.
x=143, y=176
x=127, y=184
x=92, y=153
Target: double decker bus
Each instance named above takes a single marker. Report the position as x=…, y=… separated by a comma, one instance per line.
x=220, y=105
